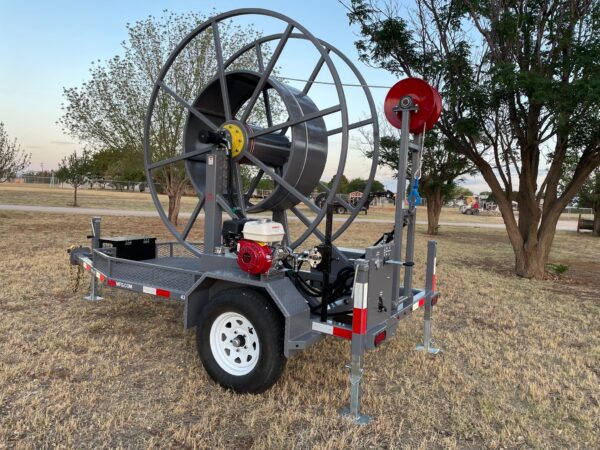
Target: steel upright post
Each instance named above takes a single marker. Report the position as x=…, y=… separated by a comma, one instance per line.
x=412, y=222
x=405, y=106
x=93, y=296
x=216, y=179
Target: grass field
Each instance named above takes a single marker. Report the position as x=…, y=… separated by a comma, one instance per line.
x=520, y=367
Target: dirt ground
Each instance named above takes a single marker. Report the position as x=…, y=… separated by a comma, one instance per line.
x=520, y=367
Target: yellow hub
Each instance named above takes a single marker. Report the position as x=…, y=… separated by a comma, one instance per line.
x=238, y=139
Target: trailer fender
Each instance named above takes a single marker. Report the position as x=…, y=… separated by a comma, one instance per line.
x=281, y=291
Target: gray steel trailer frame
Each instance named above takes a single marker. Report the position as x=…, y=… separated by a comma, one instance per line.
x=194, y=273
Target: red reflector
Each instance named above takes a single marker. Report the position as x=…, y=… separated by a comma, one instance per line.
x=380, y=337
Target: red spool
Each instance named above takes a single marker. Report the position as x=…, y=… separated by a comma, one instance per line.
x=424, y=96
x=254, y=257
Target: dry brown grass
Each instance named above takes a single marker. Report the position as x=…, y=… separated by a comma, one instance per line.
x=520, y=367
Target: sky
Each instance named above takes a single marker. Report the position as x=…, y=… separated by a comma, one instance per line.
x=48, y=45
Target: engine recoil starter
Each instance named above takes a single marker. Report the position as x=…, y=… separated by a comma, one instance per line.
x=254, y=257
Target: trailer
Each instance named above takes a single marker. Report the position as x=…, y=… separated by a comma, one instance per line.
x=252, y=287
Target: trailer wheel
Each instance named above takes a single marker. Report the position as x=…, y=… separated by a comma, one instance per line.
x=240, y=340
x=340, y=210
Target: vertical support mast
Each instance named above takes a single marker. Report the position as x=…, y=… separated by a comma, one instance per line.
x=405, y=106
x=416, y=154
x=216, y=180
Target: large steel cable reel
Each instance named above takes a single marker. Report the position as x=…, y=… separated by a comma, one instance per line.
x=295, y=164
x=300, y=160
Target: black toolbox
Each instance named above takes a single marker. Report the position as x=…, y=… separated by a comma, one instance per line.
x=136, y=248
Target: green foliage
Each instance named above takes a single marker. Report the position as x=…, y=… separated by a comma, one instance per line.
x=589, y=194
x=111, y=164
x=520, y=87
x=12, y=158
x=558, y=269
x=109, y=109
x=460, y=192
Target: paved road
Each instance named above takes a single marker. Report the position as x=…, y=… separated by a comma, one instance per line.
x=568, y=225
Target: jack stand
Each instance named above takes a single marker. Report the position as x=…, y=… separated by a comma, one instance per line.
x=93, y=297
x=359, y=325
x=95, y=236
x=427, y=341
x=353, y=411
x=430, y=284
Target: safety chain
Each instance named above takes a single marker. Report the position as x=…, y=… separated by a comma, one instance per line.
x=75, y=274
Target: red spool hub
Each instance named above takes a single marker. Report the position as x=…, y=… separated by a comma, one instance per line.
x=254, y=257
x=426, y=98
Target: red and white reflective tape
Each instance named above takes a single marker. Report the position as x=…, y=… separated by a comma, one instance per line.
x=156, y=291
x=114, y=283
x=359, y=314
x=419, y=304
x=328, y=328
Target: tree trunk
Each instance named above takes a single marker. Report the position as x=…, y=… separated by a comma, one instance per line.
x=174, y=195
x=434, y=208
x=75, y=197
x=596, y=226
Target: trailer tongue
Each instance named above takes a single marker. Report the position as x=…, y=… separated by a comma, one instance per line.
x=255, y=296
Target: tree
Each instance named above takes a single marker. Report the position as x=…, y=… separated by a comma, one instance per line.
x=440, y=170
x=12, y=158
x=108, y=110
x=441, y=167
x=343, y=183
x=519, y=83
x=75, y=170
x=460, y=192
x=359, y=184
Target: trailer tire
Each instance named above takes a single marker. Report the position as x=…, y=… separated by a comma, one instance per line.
x=340, y=210
x=240, y=340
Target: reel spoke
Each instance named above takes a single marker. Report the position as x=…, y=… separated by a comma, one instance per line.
x=221, y=70
x=239, y=188
x=265, y=75
x=192, y=219
x=223, y=204
x=352, y=126
x=306, y=221
x=315, y=72
x=344, y=203
x=261, y=68
x=174, y=159
x=288, y=187
x=305, y=118
x=187, y=105
x=254, y=184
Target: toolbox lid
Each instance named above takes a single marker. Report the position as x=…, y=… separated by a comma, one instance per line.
x=127, y=238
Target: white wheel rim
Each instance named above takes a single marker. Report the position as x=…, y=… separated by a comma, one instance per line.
x=234, y=343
